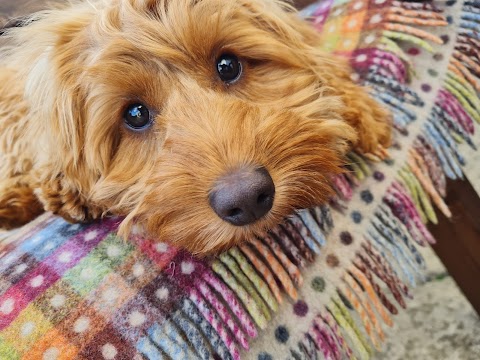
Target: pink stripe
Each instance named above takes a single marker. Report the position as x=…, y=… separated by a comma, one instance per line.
x=332, y=324
x=343, y=186
x=450, y=103
x=391, y=68
x=415, y=216
x=232, y=301
x=395, y=61
x=327, y=335
x=213, y=320
x=223, y=312
x=322, y=343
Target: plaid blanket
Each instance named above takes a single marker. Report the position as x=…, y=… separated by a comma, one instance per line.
x=325, y=282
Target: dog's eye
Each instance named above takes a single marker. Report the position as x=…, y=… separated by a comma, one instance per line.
x=137, y=117
x=229, y=68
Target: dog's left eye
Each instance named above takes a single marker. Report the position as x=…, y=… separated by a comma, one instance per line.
x=137, y=117
x=229, y=68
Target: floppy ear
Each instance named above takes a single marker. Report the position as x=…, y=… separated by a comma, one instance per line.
x=49, y=53
x=53, y=49
x=371, y=121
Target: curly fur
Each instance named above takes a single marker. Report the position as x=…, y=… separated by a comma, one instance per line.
x=67, y=75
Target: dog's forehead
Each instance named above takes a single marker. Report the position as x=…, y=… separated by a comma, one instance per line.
x=186, y=34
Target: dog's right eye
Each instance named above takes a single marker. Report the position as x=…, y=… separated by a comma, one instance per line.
x=137, y=117
x=229, y=68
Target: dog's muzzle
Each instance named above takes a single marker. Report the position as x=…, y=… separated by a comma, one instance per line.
x=243, y=196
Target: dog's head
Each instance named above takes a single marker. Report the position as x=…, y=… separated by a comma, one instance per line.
x=205, y=121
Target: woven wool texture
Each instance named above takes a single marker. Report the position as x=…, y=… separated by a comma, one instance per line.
x=325, y=283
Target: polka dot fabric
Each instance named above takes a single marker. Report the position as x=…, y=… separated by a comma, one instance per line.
x=322, y=284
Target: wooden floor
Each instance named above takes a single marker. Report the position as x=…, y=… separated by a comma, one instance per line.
x=458, y=239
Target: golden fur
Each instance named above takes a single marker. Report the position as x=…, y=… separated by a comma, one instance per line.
x=68, y=74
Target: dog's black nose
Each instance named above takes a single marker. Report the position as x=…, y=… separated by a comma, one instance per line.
x=243, y=196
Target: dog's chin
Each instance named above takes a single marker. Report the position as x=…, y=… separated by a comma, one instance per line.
x=206, y=235
x=207, y=239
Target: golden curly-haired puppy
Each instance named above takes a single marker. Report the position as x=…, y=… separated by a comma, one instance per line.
x=204, y=121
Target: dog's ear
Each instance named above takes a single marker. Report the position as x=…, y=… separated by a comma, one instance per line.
x=49, y=52
x=370, y=120
x=52, y=49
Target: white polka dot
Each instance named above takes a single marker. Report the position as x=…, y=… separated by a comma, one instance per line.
x=379, y=1
x=162, y=293
x=36, y=281
x=347, y=43
x=352, y=23
x=8, y=259
x=319, y=19
x=48, y=246
x=65, y=257
x=81, y=324
x=51, y=354
x=37, y=239
x=161, y=247
x=20, y=269
x=74, y=226
x=58, y=300
x=137, y=230
x=113, y=251
x=109, y=351
x=87, y=273
x=376, y=19
x=27, y=329
x=138, y=270
x=369, y=39
x=337, y=12
x=361, y=58
x=136, y=318
x=110, y=294
x=331, y=28
x=7, y=306
x=187, y=267
x=358, y=5
x=355, y=77
x=90, y=235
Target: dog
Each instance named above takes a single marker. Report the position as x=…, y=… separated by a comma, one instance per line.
x=203, y=122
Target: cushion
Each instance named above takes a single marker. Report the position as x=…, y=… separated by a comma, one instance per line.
x=324, y=283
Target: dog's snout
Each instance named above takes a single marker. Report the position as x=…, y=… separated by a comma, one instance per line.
x=243, y=196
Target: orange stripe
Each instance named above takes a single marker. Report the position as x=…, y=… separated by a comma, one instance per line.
x=413, y=31
x=416, y=21
x=277, y=269
x=428, y=185
x=465, y=59
x=471, y=79
x=353, y=284
x=292, y=270
x=363, y=316
x=371, y=294
x=416, y=14
x=264, y=271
